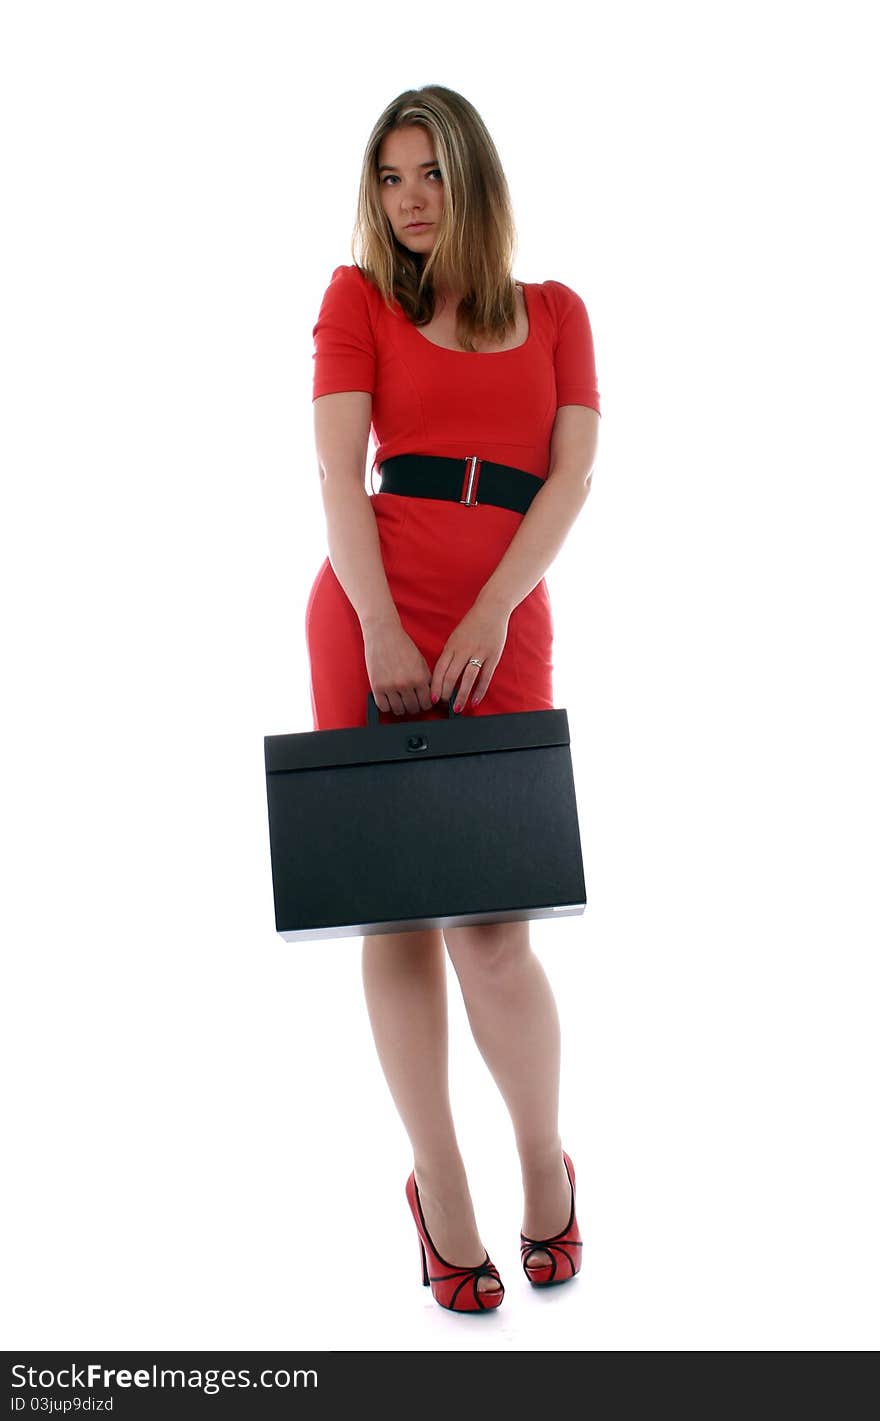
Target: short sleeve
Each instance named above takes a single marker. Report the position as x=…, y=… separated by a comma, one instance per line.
x=574, y=357
x=345, y=352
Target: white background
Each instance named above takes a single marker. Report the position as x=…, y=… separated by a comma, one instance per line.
x=201, y=1148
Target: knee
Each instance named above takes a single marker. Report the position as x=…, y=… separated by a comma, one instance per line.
x=493, y=950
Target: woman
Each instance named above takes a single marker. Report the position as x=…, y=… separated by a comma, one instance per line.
x=482, y=396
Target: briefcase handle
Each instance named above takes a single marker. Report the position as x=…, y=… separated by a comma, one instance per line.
x=373, y=710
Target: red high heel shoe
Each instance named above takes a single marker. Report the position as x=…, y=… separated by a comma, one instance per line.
x=452, y=1287
x=565, y=1248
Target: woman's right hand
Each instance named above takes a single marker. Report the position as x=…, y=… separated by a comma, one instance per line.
x=400, y=677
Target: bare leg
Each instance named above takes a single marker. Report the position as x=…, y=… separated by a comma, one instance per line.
x=515, y=1023
x=405, y=988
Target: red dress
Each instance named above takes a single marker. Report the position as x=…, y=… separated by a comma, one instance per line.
x=438, y=554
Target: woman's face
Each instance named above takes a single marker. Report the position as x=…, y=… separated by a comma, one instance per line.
x=411, y=186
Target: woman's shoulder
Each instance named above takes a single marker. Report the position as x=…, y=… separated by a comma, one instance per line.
x=351, y=297
x=349, y=273
x=558, y=296
x=351, y=286
x=349, y=279
x=563, y=308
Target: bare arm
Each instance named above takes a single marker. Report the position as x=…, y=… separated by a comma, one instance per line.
x=399, y=675
x=342, y=431
x=552, y=512
x=482, y=632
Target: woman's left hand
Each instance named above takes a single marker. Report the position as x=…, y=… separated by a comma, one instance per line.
x=482, y=633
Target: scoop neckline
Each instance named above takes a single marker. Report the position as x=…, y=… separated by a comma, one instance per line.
x=512, y=350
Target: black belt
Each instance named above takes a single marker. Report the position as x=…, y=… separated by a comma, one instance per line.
x=433, y=476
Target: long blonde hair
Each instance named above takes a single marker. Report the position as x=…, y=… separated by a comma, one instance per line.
x=476, y=237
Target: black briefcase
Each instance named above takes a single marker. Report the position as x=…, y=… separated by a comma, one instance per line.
x=423, y=824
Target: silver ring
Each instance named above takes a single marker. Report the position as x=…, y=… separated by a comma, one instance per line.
x=474, y=662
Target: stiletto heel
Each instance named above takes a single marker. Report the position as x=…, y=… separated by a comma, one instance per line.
x=453, y=1288
x=565, y=1248
x=425, y=1279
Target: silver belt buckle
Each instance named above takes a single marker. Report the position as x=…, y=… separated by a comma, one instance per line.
x=472, y=473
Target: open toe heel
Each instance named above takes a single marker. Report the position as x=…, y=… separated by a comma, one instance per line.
x=565, y=1248
x=453, y=1288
